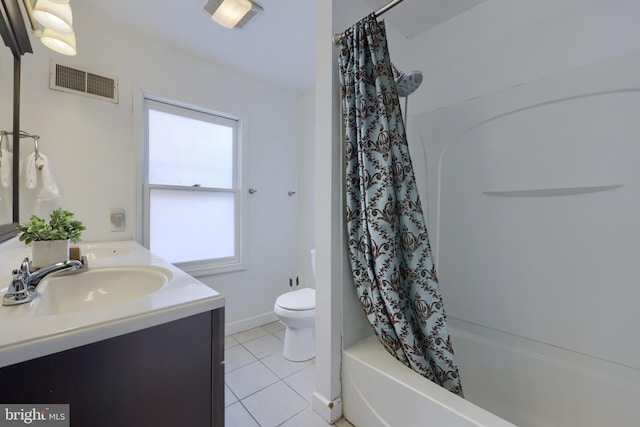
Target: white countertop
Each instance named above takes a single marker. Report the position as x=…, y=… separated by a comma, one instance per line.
x=25, y=336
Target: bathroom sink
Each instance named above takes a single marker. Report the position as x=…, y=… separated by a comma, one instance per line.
x=97, y=288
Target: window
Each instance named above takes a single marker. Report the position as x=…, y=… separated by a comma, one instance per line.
x=192, y=198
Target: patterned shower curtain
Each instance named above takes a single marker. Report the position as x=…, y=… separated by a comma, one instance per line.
x=391, y=258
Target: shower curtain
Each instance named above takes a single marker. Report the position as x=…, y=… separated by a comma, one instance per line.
x=391, y=259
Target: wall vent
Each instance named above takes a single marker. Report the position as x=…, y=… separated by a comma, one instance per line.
x=81, y=82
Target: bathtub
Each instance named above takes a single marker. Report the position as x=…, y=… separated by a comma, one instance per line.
x=378, y=390
x=505, y=377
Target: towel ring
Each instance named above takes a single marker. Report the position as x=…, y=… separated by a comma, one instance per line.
x=35, y=144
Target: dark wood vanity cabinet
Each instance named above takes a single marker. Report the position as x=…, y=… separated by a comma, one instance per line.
x=168, y=375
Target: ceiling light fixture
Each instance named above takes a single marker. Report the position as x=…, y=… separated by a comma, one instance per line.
x=231, y=13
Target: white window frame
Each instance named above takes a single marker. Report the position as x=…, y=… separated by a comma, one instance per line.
x=201, y=267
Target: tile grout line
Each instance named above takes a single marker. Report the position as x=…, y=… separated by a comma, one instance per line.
x=280, y=379
x=293, y=416
x=249, y=412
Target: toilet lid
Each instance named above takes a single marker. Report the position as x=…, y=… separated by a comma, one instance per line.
x=302, y=299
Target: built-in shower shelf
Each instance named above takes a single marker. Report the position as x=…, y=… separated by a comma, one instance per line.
x=552, y=192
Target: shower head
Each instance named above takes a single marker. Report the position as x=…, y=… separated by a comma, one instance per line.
x=406, y=83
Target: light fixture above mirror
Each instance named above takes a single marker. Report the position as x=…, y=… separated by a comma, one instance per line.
x=231, y=13
x=54, y=15
x=52, y=22
x=61, y=43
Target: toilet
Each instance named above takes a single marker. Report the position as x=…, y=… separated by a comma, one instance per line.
x=297, y=310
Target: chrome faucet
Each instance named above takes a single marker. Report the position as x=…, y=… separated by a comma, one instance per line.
x=24, y=284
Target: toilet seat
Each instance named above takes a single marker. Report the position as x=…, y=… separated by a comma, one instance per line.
x=299, y=300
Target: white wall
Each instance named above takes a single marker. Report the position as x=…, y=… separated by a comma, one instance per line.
x=91, y=147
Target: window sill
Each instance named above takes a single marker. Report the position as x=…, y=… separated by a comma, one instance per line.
x=201, y=269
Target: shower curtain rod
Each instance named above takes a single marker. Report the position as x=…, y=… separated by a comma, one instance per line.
x=379, y=12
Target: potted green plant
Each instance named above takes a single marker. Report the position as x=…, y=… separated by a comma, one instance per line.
x=50, y=241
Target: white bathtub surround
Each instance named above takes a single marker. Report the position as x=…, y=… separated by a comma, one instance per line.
x=529, y=181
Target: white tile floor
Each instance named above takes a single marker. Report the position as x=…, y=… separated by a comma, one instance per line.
x=262, y=388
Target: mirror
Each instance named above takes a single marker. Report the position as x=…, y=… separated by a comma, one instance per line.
x=16, y=38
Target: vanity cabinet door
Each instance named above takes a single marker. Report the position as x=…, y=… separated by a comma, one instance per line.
x=160, y=376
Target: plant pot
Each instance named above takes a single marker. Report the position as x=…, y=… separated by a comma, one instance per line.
x=48, y=252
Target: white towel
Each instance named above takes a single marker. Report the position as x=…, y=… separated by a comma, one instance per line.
x=49, y=189
x=30, y=171
x=6, y=158
x=33, y=165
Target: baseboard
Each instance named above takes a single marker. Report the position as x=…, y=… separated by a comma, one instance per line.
x=251, y=322
x=330, y=410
